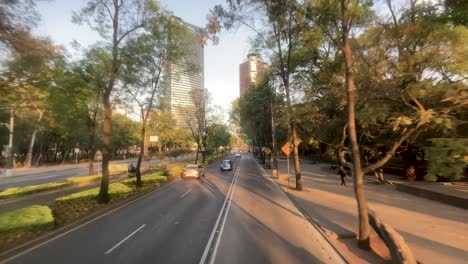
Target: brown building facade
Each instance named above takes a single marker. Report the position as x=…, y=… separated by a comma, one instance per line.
x=250, y=72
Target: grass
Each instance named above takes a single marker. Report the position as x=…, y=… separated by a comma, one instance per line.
x=148, y=178
x=19, y=191
x=115, y=189
x=27, y=218
x=83, y=179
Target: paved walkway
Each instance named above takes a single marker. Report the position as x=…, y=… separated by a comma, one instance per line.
x=436, y=232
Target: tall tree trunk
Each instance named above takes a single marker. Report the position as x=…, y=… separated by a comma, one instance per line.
x=196, y=155
x=67, y=152
x=106, y=132
x=91, y=153
x=273, y=137
x=29, y=155
x=103, y=196
x=357, y=169
x=142, y=153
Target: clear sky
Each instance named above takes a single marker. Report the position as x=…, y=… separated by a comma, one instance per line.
x=221, y=61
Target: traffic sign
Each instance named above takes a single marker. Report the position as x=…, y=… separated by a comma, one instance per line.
x=286, y=149
x=267, y=151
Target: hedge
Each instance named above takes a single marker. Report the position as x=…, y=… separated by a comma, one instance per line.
x=18, y=191
x=115, y=189
x=27, y=219
x=147, y=178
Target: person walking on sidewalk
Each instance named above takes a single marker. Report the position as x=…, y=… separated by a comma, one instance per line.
x=342, y=173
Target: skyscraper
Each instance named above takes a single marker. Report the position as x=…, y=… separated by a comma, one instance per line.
x=184, y=75
x=250, y=72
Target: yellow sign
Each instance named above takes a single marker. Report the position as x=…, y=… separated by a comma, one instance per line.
x=286, y=149
x=267, y=151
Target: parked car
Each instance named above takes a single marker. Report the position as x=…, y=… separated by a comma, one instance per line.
x=238, y=154
x=193, y=171
x=226, y=165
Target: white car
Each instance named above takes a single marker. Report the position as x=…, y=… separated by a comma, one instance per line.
x=238, y=154
x=193, y=171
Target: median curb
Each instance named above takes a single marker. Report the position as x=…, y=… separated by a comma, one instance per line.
x=433, y=195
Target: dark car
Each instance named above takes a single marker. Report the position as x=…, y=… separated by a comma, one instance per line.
x=226, y=165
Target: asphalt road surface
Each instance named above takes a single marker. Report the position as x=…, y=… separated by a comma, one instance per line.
x=33, y=176
x=226, y=217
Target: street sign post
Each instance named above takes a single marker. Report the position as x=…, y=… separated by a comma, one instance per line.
x=287, y=150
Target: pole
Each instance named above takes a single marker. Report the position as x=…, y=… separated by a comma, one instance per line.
x=288, y=170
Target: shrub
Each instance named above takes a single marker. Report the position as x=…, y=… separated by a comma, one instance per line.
x=27, y=219
x=19, y=191
x=115, y=189
x=148, y=178
x=447, y=158
x=83, y=179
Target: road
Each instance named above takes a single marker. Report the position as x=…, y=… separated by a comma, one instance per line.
x=226, y=217
x=33, y=176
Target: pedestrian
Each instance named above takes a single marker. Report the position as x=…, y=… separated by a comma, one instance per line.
x=343, y=174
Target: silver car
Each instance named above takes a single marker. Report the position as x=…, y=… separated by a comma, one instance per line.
x=193, y=171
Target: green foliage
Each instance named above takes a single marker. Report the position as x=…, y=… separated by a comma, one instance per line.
x=147, y=178
x=125, y=132
x=115, y=189
x=218, y=136
x=20, y=191
x=448, y=158
x=26, y=219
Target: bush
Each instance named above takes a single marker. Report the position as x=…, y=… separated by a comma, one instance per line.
x=447, y=159
x=19, y=191
x=115, y=190
x=83, y=179
x=27, y=219
x=148, y=178
x=175, y=170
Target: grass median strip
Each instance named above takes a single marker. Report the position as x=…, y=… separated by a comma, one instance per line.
x=148, y=178
x=115, y=189
x=19, y=191
x=27, y=219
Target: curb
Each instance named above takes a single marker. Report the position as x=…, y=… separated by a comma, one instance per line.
x=46, y=238
x=305, y=216
x=434, y=196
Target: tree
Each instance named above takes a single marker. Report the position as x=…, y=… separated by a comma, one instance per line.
x=195, y=120
x=145, y=58
x=28, y=77
x=281, y=26
x=116, y=21
x=218, y=136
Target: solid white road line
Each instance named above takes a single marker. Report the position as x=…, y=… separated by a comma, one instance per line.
x=75, y=228
x=215, y=250
x=187, y=192
x=210, y=240
x=125, y=239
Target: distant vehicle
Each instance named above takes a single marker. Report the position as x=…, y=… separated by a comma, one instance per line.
x=226, y=165
x=193, y=171
x=238, y=154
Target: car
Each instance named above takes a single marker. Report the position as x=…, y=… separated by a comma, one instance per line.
x=193, y=171
x=226, y=165
x=238, y=154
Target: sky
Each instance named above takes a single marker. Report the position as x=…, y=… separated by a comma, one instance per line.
x=221, y=61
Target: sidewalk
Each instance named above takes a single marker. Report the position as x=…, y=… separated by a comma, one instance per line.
x=437, y=233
